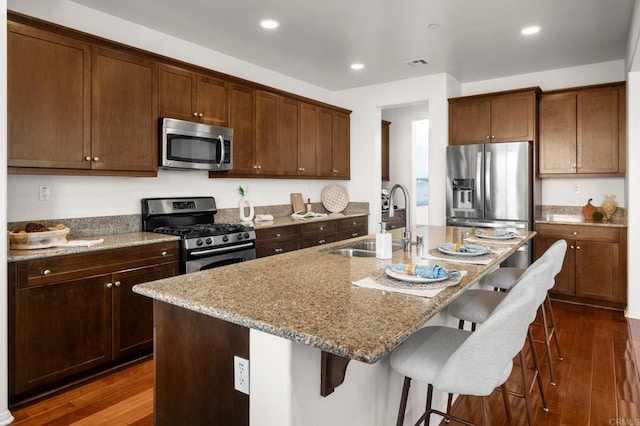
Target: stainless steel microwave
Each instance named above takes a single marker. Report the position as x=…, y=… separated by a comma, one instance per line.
x=194, y=146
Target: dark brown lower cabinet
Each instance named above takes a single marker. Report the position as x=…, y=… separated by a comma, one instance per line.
x=595, y=265
x=194, y=367
x=72, y=316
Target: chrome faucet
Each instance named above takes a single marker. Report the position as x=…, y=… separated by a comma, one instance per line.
x=406, y=234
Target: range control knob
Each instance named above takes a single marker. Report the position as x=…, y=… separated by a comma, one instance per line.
x=246, y=235
x=239, y=236
x=225, y=238
x=198, y=242
x=208, y=241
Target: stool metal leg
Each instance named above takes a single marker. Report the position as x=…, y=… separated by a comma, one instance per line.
x=554, y=330
x=403, y=401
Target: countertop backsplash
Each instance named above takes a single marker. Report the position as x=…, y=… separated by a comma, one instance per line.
x=105, y=225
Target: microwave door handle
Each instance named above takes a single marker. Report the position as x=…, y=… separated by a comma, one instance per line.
x=221, y=139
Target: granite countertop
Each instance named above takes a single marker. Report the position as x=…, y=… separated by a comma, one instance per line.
x=112, y=241
x=575, y=219
x=307, y=296
x=288, y=220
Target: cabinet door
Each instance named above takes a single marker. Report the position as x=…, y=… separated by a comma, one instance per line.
x=308, y=140
x=289, y=129
x=48, y=99
x=597, y=271
x=62, y=329
x=178, y=91
x=557, y=143
x=469, y=121
x=132, y=312
x=513, y=117
x=597, y=136
x=268, y=149
x=242, y=119
x=124, y=112
x=212, y=101
x=384, y=139
x=324, y=143
x=341, y=146
x=564, y=281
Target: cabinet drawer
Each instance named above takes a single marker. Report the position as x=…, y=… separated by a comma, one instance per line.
x=352, y=223
x=577, y=232
x=276, y=248
x=317, y=240
x=62, y=268
x=325, y=227
x=282, y=233
x=352, y=233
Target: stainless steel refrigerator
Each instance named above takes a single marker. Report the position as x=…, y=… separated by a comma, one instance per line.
x=491, y=186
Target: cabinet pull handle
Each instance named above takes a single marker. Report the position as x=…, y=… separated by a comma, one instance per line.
x=109, y=285
x=46, y=272
x=301, y=169
x=322, y=228
x=278, y=235
x=321, y=241
x=117, y=283
x=354, y=223
x=87, y=158
x=164, y=253
x=278, y=250
x=355, y=234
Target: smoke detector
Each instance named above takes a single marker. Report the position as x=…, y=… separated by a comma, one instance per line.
x=416, y=62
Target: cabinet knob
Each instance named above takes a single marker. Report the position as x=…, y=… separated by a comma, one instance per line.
x=355, y=234
x=354, y=223
x=493, y=137
x=259, y=167
x=87, y=158
x=195, y=114
x=117, y=283
x=577, y=247
x=200, y=114
x=109, y=285
x=575, y=232
x=164, y=253
x=278, y=235
x=46, y=272
x=278, y=250
x=301, y=169
x=96, y=158
x=487, y=137
x=573, y=165
x=322, y=241
x=322, y=228
x=572, y=247
x=335, y=170
x=579, y=165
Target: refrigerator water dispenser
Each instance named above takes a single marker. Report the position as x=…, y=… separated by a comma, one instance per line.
x=463, y=193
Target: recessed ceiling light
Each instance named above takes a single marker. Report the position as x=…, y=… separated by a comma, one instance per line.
x=357, y=66
x=269, y=24
x=530, y=30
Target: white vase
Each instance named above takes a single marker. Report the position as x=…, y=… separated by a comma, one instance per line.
x=246, y=210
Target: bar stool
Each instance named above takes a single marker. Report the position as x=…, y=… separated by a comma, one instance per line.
x=475, y=305
x=466, y=363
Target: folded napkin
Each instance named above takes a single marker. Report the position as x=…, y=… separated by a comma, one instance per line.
x=462, y=248
x=83, y=243
x=424, y=271
x=496, y=233
x=263, y=218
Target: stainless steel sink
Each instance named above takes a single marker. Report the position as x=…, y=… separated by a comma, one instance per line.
x=353, y=252
x=361, y=249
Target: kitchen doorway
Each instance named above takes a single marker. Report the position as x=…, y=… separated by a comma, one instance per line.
x=409, y=156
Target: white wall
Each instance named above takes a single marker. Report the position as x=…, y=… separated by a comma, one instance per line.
x=402, y=154
x=633, y=173
x=5, y=415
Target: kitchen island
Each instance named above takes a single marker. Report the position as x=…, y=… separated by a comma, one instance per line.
x=301, y=320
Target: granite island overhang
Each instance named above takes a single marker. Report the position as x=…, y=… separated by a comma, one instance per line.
x=307, y=296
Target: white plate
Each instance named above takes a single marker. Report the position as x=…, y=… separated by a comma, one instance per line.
x=488, y=234
x=412, y=278
x=447, y=248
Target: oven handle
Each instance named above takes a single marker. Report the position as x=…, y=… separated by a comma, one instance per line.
x=220, y=249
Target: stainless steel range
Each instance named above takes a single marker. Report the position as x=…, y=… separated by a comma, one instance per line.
x=205, y=244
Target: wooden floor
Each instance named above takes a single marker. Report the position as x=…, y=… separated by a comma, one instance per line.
x=598, y=383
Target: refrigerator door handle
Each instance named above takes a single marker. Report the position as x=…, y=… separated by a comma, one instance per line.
x=487, y=182
x=478, y=179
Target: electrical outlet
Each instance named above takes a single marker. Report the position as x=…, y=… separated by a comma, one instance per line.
x=241, y=374
x=576, y=188
x=45, y=193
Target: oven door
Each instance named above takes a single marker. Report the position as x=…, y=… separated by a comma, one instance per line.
x=213, y=258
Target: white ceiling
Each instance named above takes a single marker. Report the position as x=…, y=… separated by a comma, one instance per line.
x=319, y=39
